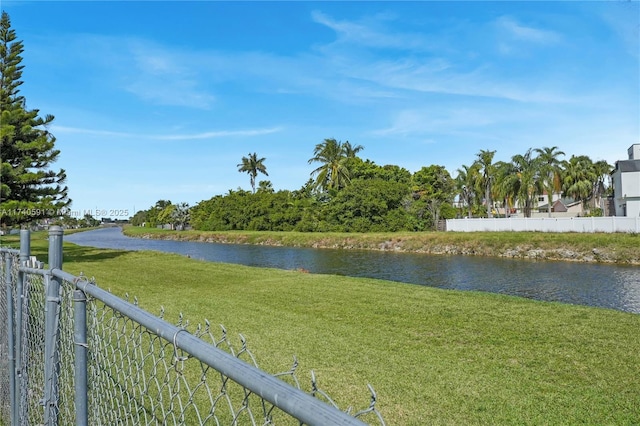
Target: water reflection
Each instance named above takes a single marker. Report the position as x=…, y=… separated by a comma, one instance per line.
x=608, y=286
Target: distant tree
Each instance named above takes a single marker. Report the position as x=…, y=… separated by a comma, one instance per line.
x=29, y=189
x=253, y=165
x=165, y=216
x=262, y=210
x=161, y=204
x=503, y=186
x=367, y=205
x=180, y=216
x=351, y=151
x=578, y=178
x=466, y=186
x=139, y=218
x=487, y=176
x=154, y=216
x=89, y=221
x=333, y=173
x=602, y=170
x=367, y=169
x=525, y=180
x=435, y=187
x=265, y=186
x=550, y=169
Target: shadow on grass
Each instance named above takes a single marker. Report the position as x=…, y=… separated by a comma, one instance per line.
x=73, y=253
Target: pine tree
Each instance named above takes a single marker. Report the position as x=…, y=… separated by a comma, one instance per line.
x=29, y=189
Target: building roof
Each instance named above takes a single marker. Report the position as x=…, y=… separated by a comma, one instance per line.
x=627, y=166
x=560, y=205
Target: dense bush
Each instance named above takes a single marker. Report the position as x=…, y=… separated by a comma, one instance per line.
x=365, y=205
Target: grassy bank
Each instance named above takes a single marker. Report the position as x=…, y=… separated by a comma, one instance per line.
x=434, y=356
x=607, y=248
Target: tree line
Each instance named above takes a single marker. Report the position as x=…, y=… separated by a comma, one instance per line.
x=347, y=193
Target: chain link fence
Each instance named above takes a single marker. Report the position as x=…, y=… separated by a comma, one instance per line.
x=73, y=353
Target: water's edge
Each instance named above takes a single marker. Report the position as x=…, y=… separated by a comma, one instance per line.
x=399, y=245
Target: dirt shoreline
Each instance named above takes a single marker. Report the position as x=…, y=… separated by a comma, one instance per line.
x=415, y=245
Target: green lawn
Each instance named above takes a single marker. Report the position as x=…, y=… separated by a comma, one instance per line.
x=433, y=356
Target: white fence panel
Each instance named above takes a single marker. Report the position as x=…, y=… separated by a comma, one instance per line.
x=607, y=224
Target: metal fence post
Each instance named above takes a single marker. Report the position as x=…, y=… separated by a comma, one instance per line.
x=10, y=342
x=52, y=312
x=80, y=341
x=21, y=391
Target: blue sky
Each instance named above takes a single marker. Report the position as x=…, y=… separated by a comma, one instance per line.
x=161, y=100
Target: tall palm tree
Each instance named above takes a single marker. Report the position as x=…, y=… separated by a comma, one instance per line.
x=252, y=165
x=351, y=151
x=578, y=177
x=504, y=187
x=333, y=172
x=487, y=171
x=527, y=180
x=550, y=170
x=601, y=170
x=466, y=186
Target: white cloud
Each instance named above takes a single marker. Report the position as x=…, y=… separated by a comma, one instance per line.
x=221, y=133
x=365, y=33
x=163, y=77
x=168, y=137
x=93, y=132
x=428, y=73
x=438, y=120
x=438, y=76
x=173, y=92
x=527, y=33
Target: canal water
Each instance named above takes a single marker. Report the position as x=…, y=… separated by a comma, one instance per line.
x=607, y=286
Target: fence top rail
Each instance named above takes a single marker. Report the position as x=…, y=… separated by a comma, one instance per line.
x=34, y=271
x=304, y=407
x=9, y=250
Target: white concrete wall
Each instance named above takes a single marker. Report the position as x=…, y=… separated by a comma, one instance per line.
x=618, y=201
x=630, y=184
x=560, y=224
x=633, y=208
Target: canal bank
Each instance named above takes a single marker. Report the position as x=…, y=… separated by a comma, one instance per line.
x=623, y=249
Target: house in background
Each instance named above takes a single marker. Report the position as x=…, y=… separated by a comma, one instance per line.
x=561, y=207
x=543, y=201
x=626, y=184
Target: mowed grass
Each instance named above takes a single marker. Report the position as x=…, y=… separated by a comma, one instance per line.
x=433, y=356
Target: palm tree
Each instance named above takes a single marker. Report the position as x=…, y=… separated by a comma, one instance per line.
x=351, y=151
x=466, y=183
x=550, y=170
x=252, y=165
x=487, y=171
x=578, y=177
x=265, y=186
x=333, y=174
x=527, y=180
x=602, y=170
x=504, y=186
